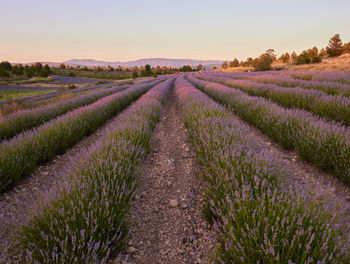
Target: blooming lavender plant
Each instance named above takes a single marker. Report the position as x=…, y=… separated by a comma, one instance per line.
x=20, y=155
x=284, y=79
x=332, y=108
x=85, y=220
x=333, y=76
x=262, y=218
x=18, y=122
x=324, y=143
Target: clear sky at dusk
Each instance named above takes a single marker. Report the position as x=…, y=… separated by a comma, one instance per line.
x=115, y=30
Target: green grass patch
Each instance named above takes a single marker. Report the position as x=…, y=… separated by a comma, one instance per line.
x=5, y=95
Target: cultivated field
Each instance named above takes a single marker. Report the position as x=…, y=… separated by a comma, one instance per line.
x=205, y=167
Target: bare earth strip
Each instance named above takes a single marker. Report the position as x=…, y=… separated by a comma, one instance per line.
x=167, y=223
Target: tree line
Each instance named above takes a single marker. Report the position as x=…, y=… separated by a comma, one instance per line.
x=264, y=62
x=36, y=69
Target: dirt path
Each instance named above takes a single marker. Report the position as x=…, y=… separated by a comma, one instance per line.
x=167, y=224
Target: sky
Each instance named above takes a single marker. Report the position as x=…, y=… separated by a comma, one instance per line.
x=121, y=30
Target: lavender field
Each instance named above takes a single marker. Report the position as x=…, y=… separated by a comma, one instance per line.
x=246, y=167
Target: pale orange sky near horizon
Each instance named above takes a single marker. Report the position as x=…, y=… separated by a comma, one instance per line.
x=109, y=30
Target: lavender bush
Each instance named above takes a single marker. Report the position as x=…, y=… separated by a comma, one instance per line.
x=329, y=87
x=18, y=122
x=333, y=76
x=332, y=108
x=85, y=220
x=262, y=218
x=323, y=143
x=285, y=79
x=20, y=155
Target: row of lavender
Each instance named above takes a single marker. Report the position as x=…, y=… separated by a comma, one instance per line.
x=20, y=155
x=284, y=79
x=325, y=144
x=333, y=108
x=84, y=220
x=20, y=121
x=333, y=76
x=261, y=217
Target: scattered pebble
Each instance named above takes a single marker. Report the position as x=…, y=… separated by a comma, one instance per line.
x=131, y=250
x=173, y=203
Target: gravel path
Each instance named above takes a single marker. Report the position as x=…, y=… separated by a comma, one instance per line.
x=167, y=224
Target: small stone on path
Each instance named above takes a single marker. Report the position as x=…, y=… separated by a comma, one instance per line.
x=174, y=203
x=131, y=250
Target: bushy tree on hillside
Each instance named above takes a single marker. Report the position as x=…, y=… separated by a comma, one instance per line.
x=250, y=61
x=272, y=54
x=284, y=57
x=294, y=55
x=322, y=53
x=303, y=58
x=346, y=47
x=313, y=52
x=316, y=59
x=335, y=46
x=224, y=65
x=264, y=62
x=234, y=63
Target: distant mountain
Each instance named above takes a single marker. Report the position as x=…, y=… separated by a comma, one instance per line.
x=151, y=61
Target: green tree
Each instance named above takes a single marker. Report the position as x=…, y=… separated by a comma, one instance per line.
x=346, y=47
x=62, y=66
x=272, y=54
x=284, y=57
x=294, y=55
x=4, y=73
x=38, y=67
x=313, y=52
x=186, y=68
x=224, y=65
x=200, y=67
x=234, y=63
x=148, y=69
x=46, y=71
x=5, y=65
x=264, y=62
x=29, y=71
x=250, y=61
x=17, y=69
x=316, y=59
x=135, y=74
x=322, y=53
x=303, y=58
x=335, y=46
